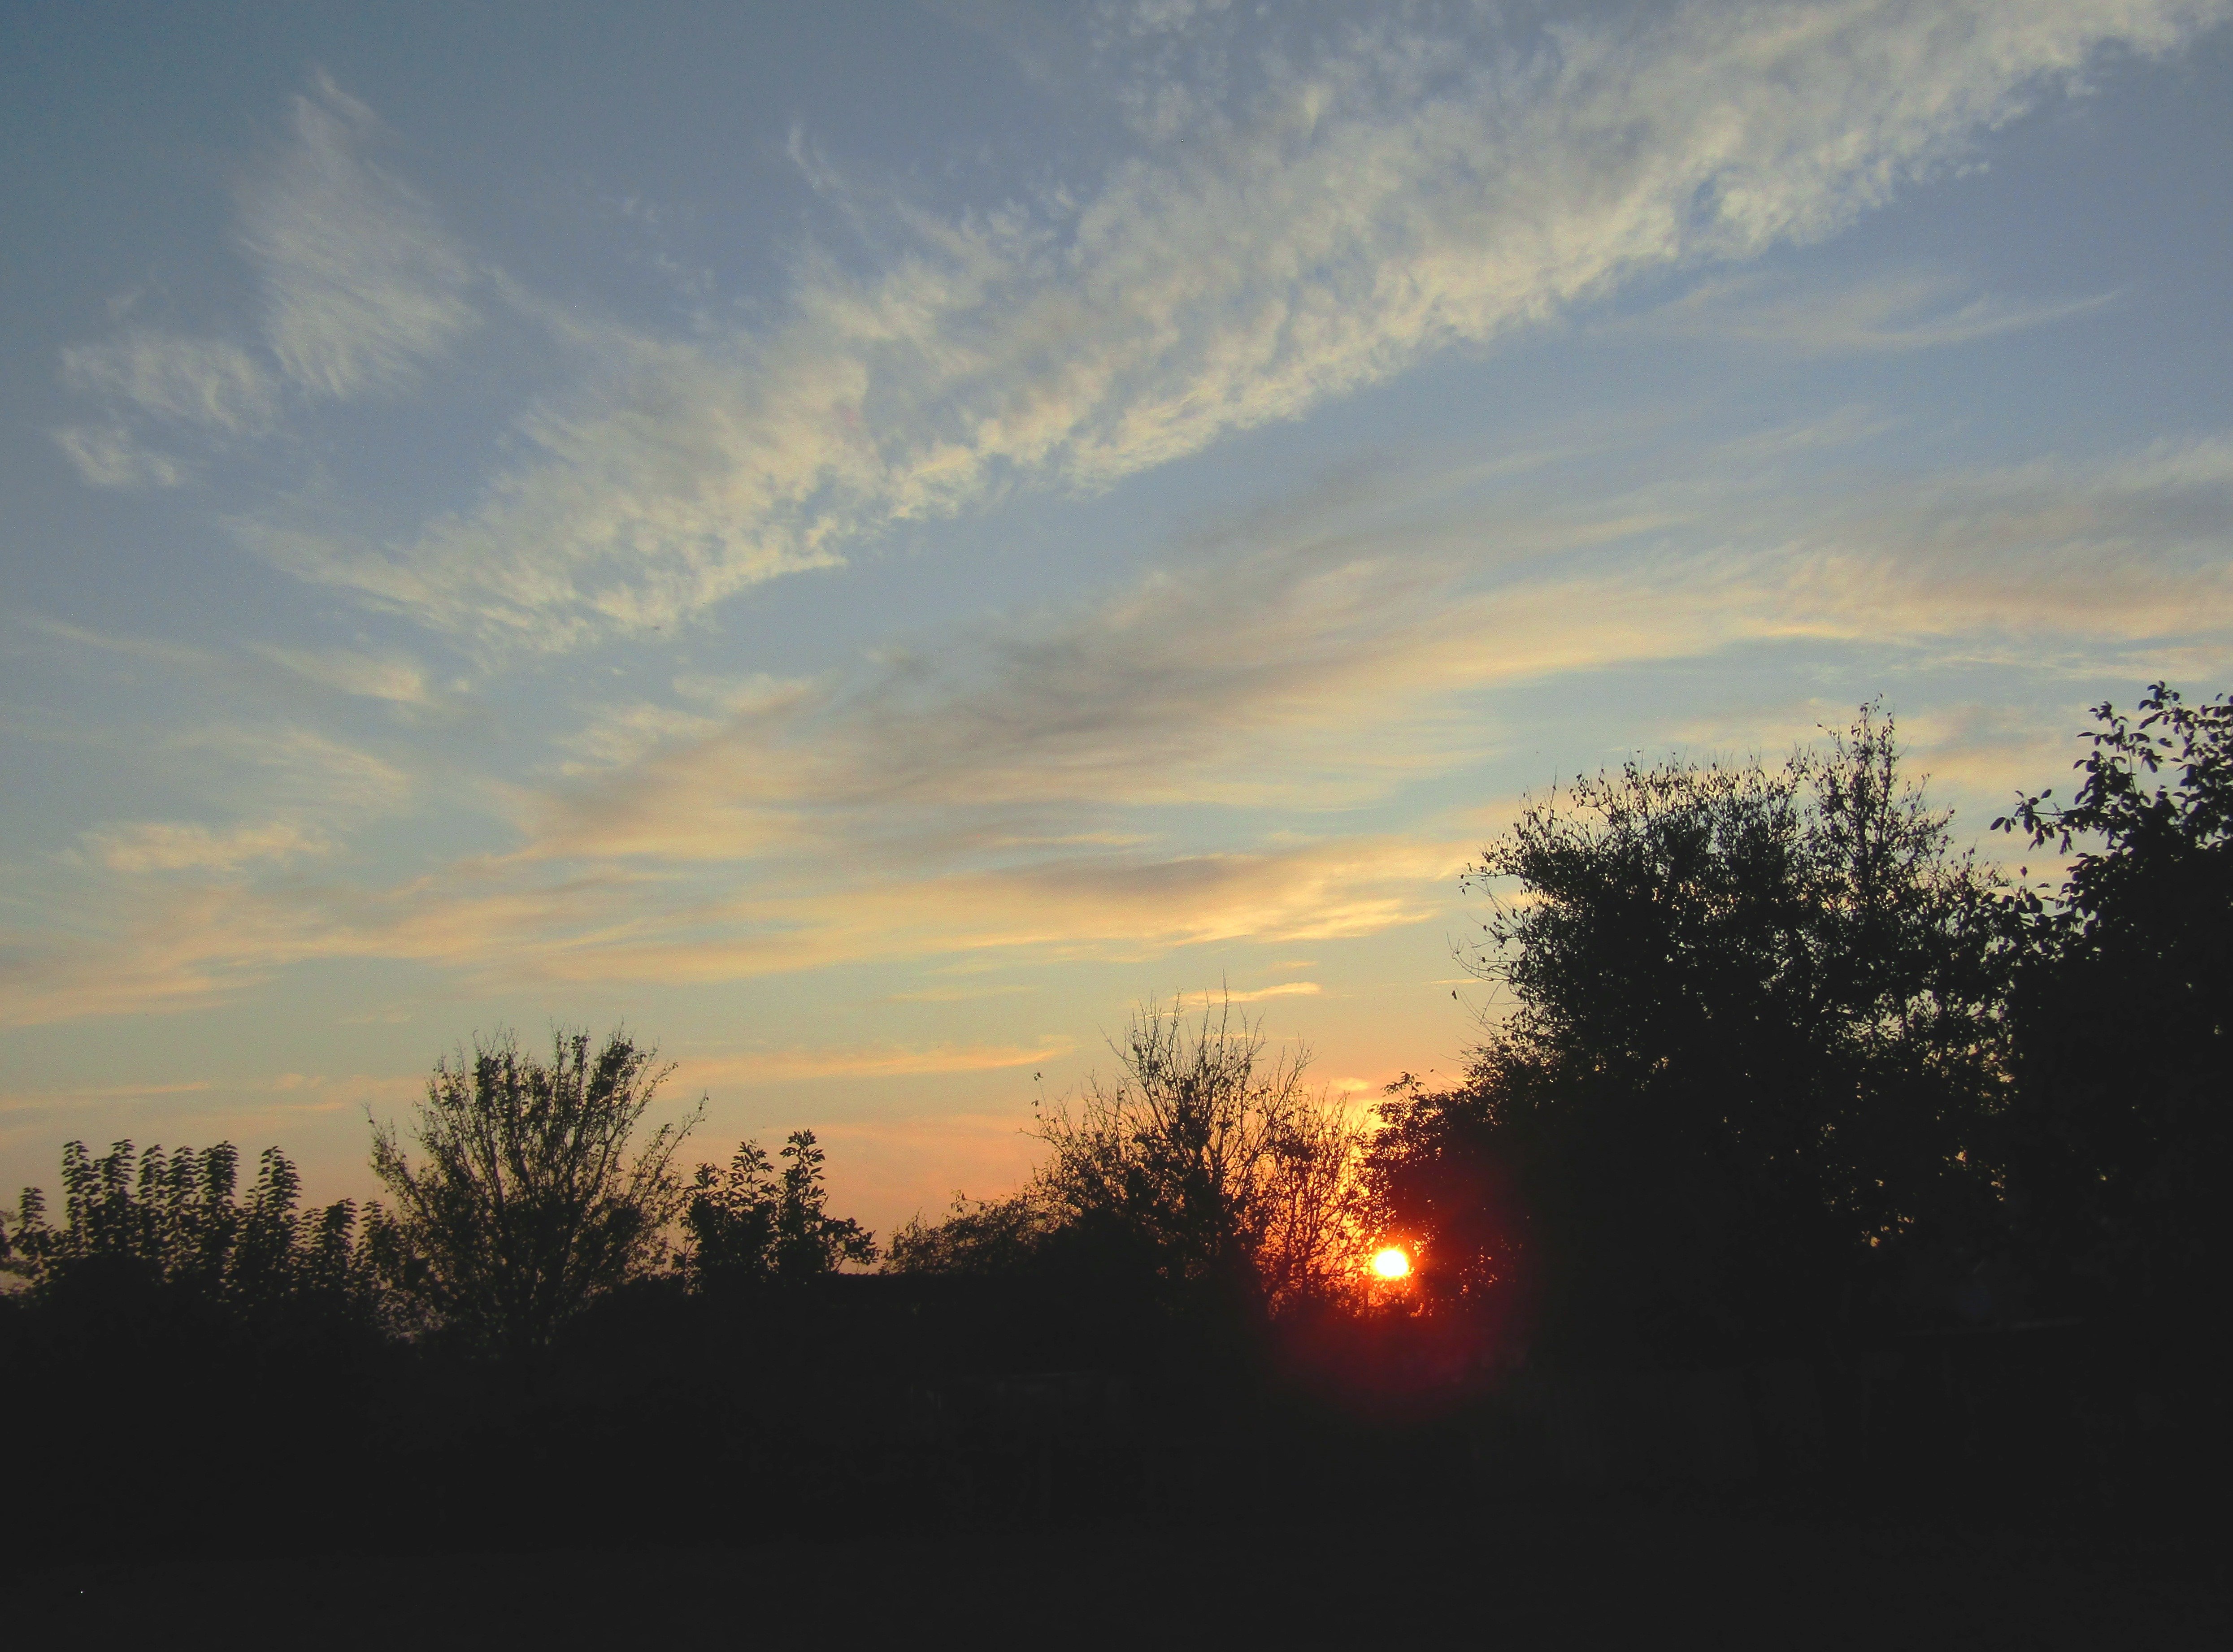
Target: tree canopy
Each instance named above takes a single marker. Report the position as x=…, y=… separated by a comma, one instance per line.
x=1201, y=1162
x=1751, y=1040
x=2119, y=1146
x=527, y=1200
x=746, y=1223
x=175, y=1226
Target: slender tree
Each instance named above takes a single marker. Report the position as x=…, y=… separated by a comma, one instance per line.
x=527, y=1199
x=1217, y=1163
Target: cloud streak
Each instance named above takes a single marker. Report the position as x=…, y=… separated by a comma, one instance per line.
x=1173, y=764
x=361, y=289
x=1309, y=668
x=360, y=284
x=873, y=1061
x=1887, y=316
x=174, y=845
x=1363, y=206
x=195, y=381
x=111, y=457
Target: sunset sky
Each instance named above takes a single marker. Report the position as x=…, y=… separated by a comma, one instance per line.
x=863, y=540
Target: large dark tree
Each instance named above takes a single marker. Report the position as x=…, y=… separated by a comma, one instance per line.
x=2119, y=1138
x=1750, y=1046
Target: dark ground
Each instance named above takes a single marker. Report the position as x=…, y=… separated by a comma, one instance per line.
x=1602, y=1576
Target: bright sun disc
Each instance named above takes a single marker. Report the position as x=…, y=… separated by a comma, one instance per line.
x=1390, y=1264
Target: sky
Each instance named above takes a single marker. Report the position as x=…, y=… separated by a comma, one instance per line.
x=863, y=540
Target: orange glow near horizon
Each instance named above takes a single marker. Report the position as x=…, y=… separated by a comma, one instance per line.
x=1391, y=1262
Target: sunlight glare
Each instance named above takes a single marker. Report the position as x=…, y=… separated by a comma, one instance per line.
x=1392, y=1263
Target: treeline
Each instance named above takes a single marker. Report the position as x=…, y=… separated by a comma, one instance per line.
x=1774, y=1067
x=1785, y=1104
x=528, y=1198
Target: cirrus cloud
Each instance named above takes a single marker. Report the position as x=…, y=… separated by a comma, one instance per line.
x=1360, y=208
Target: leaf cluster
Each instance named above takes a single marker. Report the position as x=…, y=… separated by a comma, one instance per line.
x=747, y=1223
x=176, y=1223
x=2122, y=1144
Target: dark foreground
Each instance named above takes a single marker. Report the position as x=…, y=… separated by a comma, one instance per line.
x=1604, y=1575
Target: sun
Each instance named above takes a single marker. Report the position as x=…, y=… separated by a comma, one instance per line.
x=1391, y=1262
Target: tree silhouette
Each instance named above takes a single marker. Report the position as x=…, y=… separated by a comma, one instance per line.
x=1202, y=1169
x=2119, y=1137
x=174, y=1224
x=1751, y=1043
x=1217, y=1163
x=747, y=1223
x=527, y=1203
x=986, y=1235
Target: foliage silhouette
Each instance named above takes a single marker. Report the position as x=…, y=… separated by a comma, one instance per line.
x=2121, y=1136
x=747, y=1224
x=527, y=1203
x=975, y=1236
x=174, y=1224
x=1792, y=1113
x=1753, y=1043
x=1202, y=1163
x=174, y=1342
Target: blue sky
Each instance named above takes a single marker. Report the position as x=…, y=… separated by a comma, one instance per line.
x=862, y=541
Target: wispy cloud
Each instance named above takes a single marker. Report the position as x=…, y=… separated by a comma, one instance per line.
x=303, y=769
x=185, y=944
x=361, y=288
x=2116, y=550
x=189, y=949
x=958, y=994
x=1020, y=805
x=1901, y=312
x=868, y=1060
x=1285, y=990
x=175, y=846
x=389, y=677
x=195, y=381
x=360, y=284
x=109, y=456
x=52, y=1101
x=1312, y=668
x=302, y=793
x=183, y=656
x=1356, y=209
